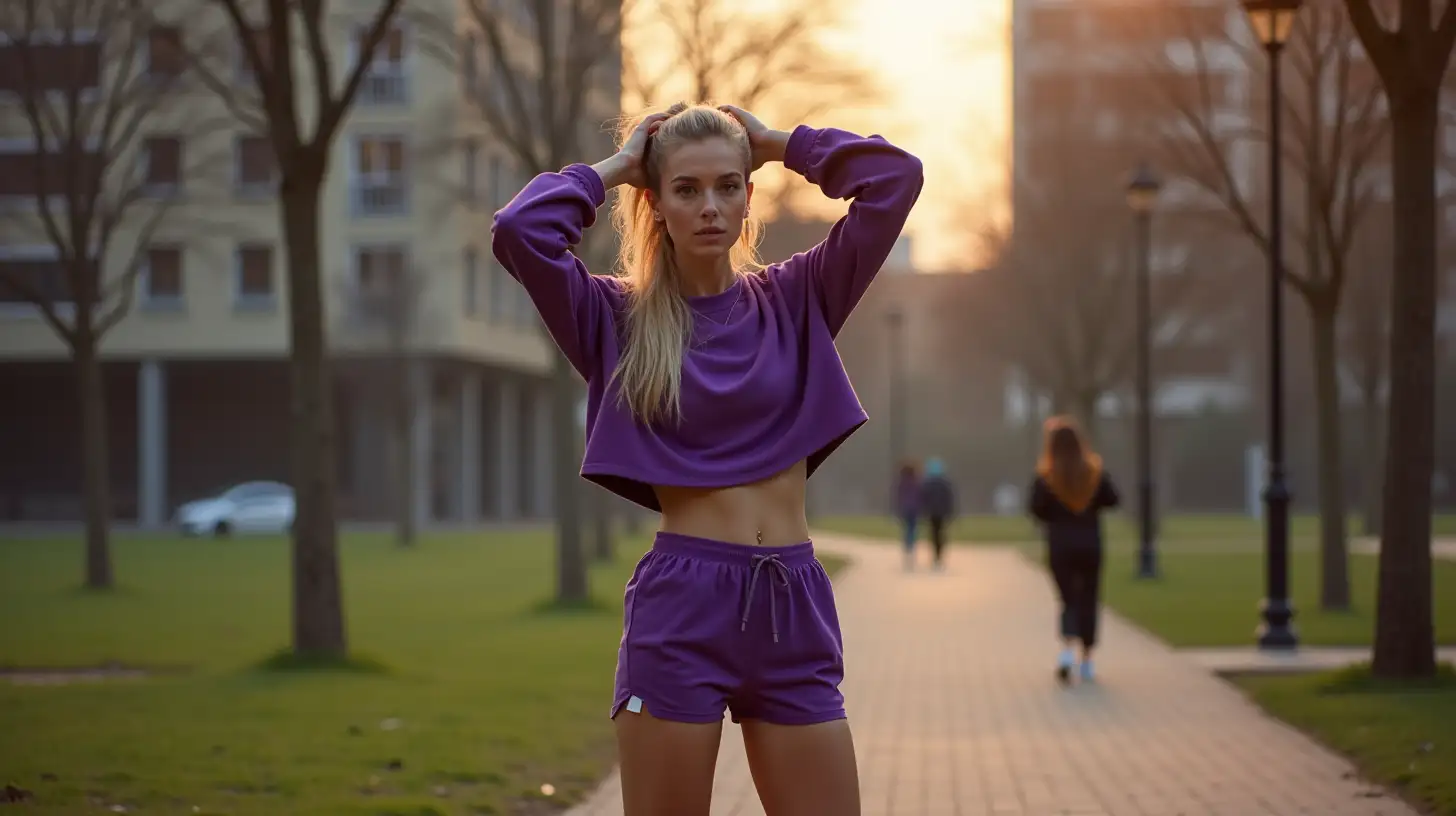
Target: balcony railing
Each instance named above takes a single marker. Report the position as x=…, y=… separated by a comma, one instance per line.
x=381, y=198
x=384, y=86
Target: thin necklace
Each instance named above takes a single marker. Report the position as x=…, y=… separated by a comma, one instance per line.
x=724, y=323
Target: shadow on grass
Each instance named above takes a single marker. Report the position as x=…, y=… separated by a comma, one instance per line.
x=1358, y=679
x=556, y=607
x=288, y=661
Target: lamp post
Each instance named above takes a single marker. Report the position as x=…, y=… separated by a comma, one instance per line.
x=895, y=319
x=1272, y=21
x=1142, y=194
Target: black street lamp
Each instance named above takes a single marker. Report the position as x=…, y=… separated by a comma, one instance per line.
x=1272, y=22
x=1142, y=195
x=895, y=318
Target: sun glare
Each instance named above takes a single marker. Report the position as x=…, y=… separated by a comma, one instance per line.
x=945, y=66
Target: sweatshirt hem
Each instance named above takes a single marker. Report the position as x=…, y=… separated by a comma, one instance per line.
x=636, y=486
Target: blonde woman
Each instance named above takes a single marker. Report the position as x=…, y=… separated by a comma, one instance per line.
x=714, y=391
x=1070, y=493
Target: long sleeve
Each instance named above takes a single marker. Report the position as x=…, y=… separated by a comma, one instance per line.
x=532, y=237
x=1107, y=496
x=883, y=183
x=1040, y=501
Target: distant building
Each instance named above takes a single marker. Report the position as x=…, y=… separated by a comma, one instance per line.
x=196, y=377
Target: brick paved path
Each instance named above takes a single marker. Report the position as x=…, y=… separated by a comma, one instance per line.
x=955, y=711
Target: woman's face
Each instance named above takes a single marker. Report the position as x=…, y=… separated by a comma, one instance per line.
x=703, y=198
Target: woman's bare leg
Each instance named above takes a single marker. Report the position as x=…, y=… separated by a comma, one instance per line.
x=803, y=770
x=667, y=767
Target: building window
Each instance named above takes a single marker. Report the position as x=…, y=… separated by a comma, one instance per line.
x=470, y=280
x=165, y=57
x=36, y=271
x=255, y=278
x=386, y=293
x=387, y=80
x=162, y=277
x=253, y=166
x=162, y=165
x=26, y=173
x=41, y=64
x=379, y=185
x=381, y=269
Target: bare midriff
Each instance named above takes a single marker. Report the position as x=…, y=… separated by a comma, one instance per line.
x=769, y=512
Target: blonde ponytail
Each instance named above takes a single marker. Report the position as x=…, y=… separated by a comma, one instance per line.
x=659, y=321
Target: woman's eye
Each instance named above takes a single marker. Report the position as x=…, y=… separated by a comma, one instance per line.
x=730, y=187
x=684, y=191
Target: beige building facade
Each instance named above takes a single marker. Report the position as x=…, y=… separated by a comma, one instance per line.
x=196, y=371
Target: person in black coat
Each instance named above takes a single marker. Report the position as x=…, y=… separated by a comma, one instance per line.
x=937, y=504
x=1068, y=497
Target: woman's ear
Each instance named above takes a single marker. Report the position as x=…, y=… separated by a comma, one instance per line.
x=748, y=199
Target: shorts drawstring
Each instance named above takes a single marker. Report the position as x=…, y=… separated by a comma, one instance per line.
x=780, y=572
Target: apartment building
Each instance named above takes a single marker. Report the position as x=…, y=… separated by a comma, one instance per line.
x=196, y=378
x=1090, y=84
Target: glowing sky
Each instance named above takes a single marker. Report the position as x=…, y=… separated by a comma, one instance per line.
x=945, y=65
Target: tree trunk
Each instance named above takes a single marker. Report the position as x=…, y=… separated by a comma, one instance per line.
x=404, y=401
x=1334, y=545
x=571, y=584
x=1372, y=463
x=1404, y=632
x=601, y=524
x=318, y=613
x=95, y=463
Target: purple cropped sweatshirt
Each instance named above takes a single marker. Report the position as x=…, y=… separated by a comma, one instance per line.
x=762, y=383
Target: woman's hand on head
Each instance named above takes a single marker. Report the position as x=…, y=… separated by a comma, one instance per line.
x=768, y=145
x=634, y=150
x=628, y=165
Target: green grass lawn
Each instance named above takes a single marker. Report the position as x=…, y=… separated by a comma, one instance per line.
x=1212, y=599
x=485, y=694
x=1176, y=529
x=1397, y=736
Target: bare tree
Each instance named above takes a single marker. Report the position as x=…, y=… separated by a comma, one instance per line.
x=115, y=156
x=543, y=75
x=386, y=296
x=1063, y=304
x=1411, y=51
x=710, y=50
x=300, y=107
x=715, y=51
x=1365, y=339
x=1338, y=129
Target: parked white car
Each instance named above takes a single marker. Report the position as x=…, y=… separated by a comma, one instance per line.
x=250, y=507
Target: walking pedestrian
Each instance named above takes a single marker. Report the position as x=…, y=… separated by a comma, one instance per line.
x=1068, y=497
x=937, y=503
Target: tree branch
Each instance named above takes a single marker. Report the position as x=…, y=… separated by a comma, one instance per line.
x=1379, y=43
x=333, y=108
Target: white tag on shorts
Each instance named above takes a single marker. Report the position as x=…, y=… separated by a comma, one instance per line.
x=634, y=704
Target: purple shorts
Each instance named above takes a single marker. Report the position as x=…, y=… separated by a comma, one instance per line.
x=711, y=625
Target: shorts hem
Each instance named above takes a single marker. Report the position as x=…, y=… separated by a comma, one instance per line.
x=667, y=714
x=796, y=719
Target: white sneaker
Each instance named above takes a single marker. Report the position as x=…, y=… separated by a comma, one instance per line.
x=1065, y=662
